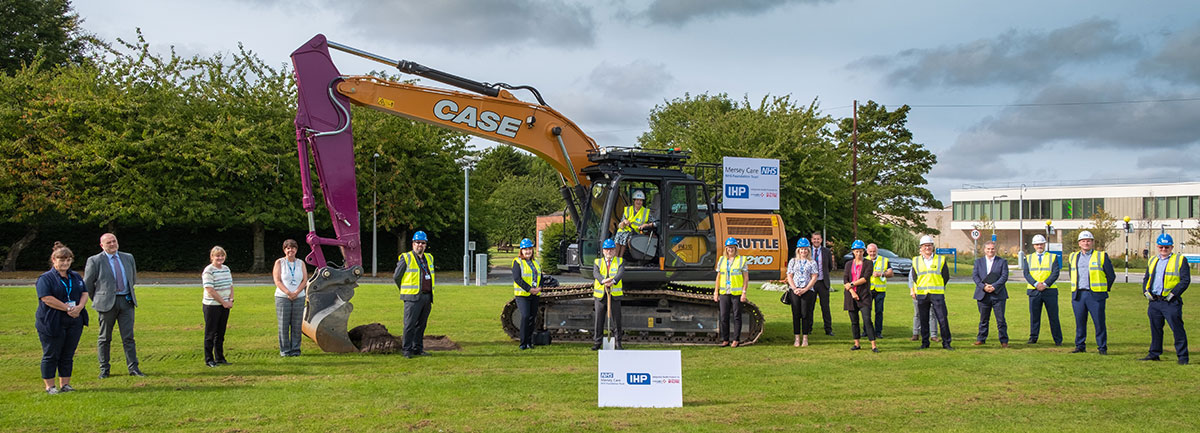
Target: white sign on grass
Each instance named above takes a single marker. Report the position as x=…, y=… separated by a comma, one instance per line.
x=750, y=183
x=640, y=378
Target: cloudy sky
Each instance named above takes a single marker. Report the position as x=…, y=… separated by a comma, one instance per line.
x=1011, y=91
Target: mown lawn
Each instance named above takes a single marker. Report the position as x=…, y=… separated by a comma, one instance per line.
x=491, y=386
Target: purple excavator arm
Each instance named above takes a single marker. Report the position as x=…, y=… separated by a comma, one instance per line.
x=323, y=131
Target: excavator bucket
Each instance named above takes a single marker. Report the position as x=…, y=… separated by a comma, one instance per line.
x=327, y=308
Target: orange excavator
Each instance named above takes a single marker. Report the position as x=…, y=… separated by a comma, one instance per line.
x=596, y=185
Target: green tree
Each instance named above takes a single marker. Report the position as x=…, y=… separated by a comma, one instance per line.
x=515, y=205
x=48, y=27
x=811, y=175
x=1194, y=235
x=891, y=167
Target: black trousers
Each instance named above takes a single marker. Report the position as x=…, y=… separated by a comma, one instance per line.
x=731, y=308
x=527, y=306
x=802, y=311
x=1159, y=311
x=822, y=288
x=986, y=307
x=416, y=316
x=216, y=317
x=600, y=305
x=878, y=322
x=1049, y=299
x=937, y=305
x=865, y=314
x=58, y=353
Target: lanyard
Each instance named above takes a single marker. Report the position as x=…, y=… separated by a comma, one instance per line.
x=68, y=283
x=292, y=271
x=421, y=263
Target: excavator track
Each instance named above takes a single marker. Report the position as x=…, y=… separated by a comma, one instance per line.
x=674, y=314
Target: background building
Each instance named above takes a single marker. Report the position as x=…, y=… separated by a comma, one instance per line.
x=1005, y=209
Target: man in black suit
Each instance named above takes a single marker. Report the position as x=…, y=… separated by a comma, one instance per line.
x=825, y=264
x=990, y=275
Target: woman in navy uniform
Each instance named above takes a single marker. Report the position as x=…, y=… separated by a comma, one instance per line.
x=527, y=279
x=60, y=318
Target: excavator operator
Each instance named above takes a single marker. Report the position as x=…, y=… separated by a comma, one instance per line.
x=634, y=219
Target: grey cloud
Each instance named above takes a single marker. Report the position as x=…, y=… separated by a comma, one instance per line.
x=1184, y=159
x=1178, y=60
x=679, y=12
x=638, y=80
x=1009, y=58
x=471, y=24
x=1148, y=125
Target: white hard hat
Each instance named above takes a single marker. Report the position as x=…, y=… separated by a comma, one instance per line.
x=1085, y=235
x=639, y=195
x=1039, y=239
x=926, y=240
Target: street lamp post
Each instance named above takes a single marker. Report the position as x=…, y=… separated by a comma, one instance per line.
x=466, y=223
x=992, y=211
x=1021, y=227
x=375, y=215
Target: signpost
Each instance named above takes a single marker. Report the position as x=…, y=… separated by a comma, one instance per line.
x=949, y=251
x=974, y=236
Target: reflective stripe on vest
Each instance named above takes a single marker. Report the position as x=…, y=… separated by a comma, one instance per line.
x=929, y=280
x=729, y=274
x=531, y=275
x=607, y=271
x=879, y=284
x=1171, y=275
x=1096, y=278
x=1040, y=269
x=636, y=219
x=410, y=283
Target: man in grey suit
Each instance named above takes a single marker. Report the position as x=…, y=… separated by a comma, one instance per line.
x=110, y=277
x=990, y=275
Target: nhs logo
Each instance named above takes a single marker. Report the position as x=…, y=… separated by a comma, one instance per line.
x=769, y=171
x=737, y=191
x=637, y=378
x=606, y=375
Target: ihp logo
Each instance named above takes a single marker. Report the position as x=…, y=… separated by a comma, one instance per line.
x=737, y=191
x=637, y=378
x=769, y=171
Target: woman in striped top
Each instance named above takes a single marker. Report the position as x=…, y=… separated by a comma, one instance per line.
x=218, y=299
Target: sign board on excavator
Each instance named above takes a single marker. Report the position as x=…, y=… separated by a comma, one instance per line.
x=750, y=183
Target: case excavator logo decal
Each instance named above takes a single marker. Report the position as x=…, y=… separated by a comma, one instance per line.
x=488, y=121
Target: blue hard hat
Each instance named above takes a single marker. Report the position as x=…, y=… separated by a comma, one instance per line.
x=420, y=236
x=526, y=243
x=803, y=243
x=1165, y=239
x=858, y=245
x=608, y=243
x=731, y=241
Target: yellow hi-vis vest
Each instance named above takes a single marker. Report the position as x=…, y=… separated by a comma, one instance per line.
x=410, y=283
x=607, y=270
x=729, y=272
x=929, y=279
x=1096, y=277
x=1171, y=275
x=879, y=284
x=532, y=276
x=636, y=219
x=1040, y=269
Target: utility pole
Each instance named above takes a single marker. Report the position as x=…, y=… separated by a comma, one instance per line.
x=854, y=171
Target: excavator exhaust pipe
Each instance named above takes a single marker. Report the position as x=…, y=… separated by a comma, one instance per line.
x=327, y=308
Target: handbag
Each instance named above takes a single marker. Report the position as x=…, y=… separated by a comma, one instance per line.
x=785, y=299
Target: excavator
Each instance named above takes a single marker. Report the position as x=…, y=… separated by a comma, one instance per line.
x=595, y=183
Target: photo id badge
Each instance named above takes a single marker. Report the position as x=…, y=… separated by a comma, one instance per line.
x=428, y=277
x=70, y=304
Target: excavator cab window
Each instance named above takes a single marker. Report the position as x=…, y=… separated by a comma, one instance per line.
x=688, y=227
x=642, y=245
x=589, y=248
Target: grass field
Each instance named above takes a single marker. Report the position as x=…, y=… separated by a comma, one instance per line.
x=491, y=386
